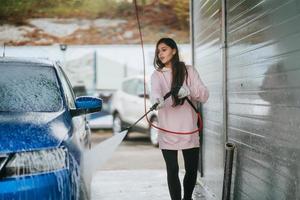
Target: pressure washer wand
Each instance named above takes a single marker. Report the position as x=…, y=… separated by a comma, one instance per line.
x=153, y=107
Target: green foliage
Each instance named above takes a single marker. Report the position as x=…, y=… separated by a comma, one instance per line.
x=17, y=11
x=181, y=9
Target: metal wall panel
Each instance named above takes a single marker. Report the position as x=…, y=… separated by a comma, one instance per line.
x=263, y=95
x=208, y=61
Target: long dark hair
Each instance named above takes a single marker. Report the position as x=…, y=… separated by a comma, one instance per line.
x=179, y=71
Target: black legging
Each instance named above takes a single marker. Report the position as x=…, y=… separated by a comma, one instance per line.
x=191, y=158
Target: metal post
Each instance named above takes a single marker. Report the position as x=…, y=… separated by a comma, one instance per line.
x=192, y=39
x=63, y=48
x=95, y=70
x=125, y=74
x=199, y=106
x=224, y=63
x=4, y=45
x=229, y=147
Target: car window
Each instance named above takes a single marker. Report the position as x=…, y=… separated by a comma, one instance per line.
x=27, y=88
x=79, y=90
x=140, y=88
x=68, y=91
x=130, y=86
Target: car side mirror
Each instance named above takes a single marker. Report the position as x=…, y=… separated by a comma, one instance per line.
x=144, y=96
x=85, y=105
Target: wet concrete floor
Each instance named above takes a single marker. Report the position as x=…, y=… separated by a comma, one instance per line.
x=136, y=171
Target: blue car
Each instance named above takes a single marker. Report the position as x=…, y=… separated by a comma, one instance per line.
x=43, y=132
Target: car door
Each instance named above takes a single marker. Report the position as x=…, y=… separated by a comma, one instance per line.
x=139, y=109
x=80, y=123
x=129, y=100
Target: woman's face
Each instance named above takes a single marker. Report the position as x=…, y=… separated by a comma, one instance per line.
x=165, y=54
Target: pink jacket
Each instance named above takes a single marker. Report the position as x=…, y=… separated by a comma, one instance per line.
x=181, y=118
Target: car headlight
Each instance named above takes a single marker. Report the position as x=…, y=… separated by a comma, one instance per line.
x=36, y=162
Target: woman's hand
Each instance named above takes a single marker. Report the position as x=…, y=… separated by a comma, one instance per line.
x=183, y=92
x=161, y=103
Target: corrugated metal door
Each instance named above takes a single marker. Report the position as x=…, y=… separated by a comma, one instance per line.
x=208, y=61
x=263, y=97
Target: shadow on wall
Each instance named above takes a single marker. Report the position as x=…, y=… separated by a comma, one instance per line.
x=282, y=130
x=275, y=156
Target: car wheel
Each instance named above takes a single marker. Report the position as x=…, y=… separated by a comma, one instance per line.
x=153, y=132
x=117, y=124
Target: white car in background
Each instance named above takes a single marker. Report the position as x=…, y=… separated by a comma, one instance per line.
x=127, y=106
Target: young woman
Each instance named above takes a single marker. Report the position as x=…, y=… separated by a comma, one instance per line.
x=175, y=114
